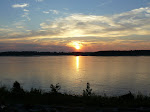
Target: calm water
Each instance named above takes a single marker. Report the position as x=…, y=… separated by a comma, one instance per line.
x=110, y=75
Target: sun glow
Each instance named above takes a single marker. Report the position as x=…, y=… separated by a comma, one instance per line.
x=77, y=45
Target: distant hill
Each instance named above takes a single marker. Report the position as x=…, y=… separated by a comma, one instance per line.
x=99, y=53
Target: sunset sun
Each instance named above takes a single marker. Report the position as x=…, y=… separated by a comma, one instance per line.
x=76, y=44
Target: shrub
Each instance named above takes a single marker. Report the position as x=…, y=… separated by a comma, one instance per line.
x=128, y=96
x=55, y=88
x=88, y=91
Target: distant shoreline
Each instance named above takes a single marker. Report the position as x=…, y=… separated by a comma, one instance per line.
x=98, y=53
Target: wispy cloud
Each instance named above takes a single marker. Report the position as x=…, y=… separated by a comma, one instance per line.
x=25, y=10
x=135, y=22
x=46, y=12
x=20, y=5
x=5, y=30
x=19, y=24
x=54, y=11
x=39, y=0
x=51, y=11
x=26, y=15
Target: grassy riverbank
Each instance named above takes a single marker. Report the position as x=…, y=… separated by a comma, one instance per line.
x=17, y=95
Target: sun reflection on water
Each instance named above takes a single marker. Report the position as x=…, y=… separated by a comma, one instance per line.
x=77, y=63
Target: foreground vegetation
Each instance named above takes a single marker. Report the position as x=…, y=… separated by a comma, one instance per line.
x=17, y=95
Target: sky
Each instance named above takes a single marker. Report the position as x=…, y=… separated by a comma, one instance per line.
x=74, y=25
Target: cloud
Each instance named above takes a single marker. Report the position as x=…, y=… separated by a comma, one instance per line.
x=60, y=45
x=51, y=11
x=26, y=15
x=39, y=0
x=5, y=30
x=125, y=30
x=135, y=22
x=20, y=5
x=22, y=46
x=19, y=24
x=54, y=11
x=25, y=10
x=46, y=12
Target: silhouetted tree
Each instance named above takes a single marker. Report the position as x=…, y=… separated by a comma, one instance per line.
x=55, y=88
x=16, y=89
x=88, y=91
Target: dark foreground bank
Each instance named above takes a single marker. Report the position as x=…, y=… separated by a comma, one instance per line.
x=18, y=100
